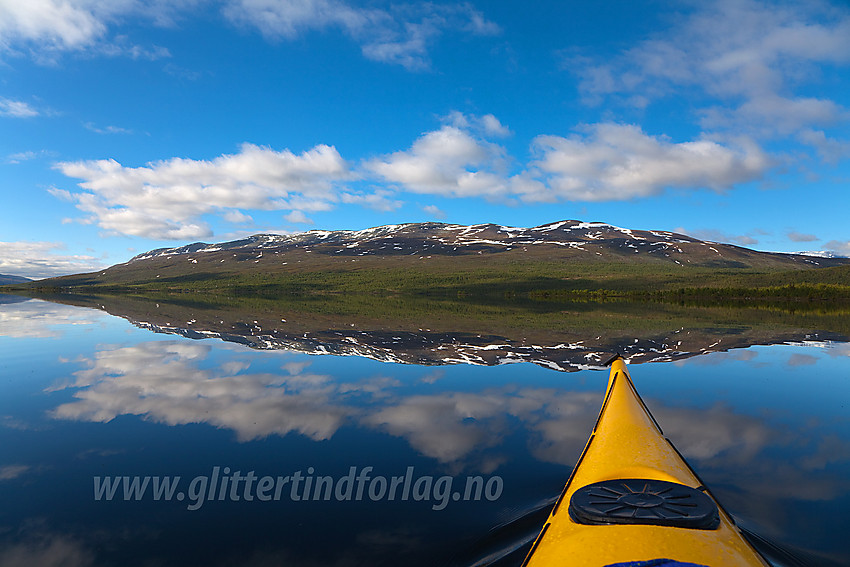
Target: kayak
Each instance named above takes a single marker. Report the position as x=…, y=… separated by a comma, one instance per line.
x=632, y=500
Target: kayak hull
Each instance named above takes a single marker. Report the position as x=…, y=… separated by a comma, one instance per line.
x=627, y=443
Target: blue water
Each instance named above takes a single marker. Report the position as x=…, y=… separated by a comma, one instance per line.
x=84, y=394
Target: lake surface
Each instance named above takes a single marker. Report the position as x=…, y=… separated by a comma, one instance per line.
x=476, y=453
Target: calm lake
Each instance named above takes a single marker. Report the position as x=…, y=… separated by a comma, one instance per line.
x=286, y=456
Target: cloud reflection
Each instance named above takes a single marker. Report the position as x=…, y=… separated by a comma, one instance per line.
x=46, y=551
x=40, y=319
x=176, y=383
x=10, y=472
x=162, y=382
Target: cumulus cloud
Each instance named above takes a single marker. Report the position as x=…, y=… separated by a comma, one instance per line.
x=602, y=162
x=457, y=160
x=400, y=35
x=166, y=199
x=451, y=161
x=750, y=59
x=619, y=161
x=41, y=260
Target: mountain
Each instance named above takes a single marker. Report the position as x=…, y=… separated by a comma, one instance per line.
x=6, y=279
x=436, y=255
x=571, y=237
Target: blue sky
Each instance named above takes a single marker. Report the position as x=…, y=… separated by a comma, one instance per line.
x=128, y=125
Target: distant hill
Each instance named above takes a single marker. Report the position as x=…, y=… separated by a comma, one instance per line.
x=6, y=280
x=429, y=257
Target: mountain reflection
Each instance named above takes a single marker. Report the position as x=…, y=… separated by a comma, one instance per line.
x=423, y=331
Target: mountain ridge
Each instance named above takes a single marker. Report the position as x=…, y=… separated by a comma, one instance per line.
x=580, y=233
x=420, y=257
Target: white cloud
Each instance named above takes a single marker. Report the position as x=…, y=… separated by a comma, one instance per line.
x=770, y=113
x=750, y=56
x=298, y=217
x=487, y=125
x=449, y=161
x=48, y=27
x=107, y=129
x=616, y=161
x=400, y=35
x=16, y=108
x=55, y=24
x=167, y=199
x=434, y=211
x=237, y=217
x=20, y=157
x=40, y=260
x=379, y=200
x=830, y=150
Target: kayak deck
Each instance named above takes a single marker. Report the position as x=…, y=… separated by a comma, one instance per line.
x=635, y=513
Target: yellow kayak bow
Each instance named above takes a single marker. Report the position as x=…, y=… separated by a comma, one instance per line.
x=632, y=498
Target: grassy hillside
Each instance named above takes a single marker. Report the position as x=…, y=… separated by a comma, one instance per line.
x=475, y=276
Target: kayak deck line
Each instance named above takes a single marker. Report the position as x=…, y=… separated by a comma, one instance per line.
x=632, y=496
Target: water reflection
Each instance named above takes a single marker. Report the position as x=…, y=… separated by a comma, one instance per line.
x=765, y=427
x=178, y=382
x=562, y=336
x=168, y=382
x=163, y=382
x=47, y=550
x=27, y=318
